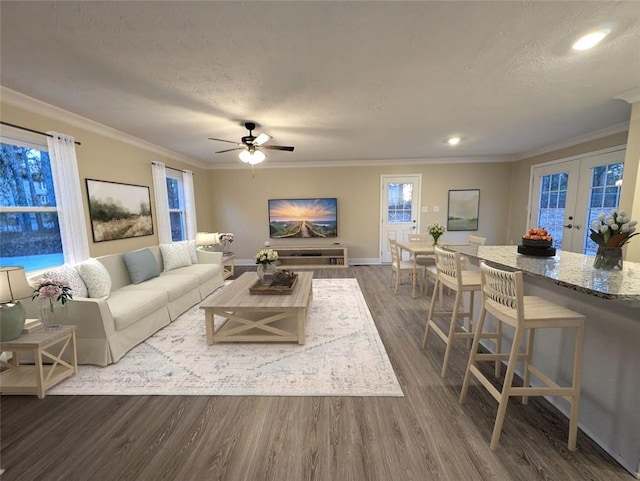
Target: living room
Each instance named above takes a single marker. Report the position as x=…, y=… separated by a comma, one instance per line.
x=272, y=437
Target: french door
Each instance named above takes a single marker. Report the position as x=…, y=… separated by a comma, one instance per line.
x=399, y=209
x=567, y=196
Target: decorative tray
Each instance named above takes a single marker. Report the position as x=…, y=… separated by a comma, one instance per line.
x=270, y=289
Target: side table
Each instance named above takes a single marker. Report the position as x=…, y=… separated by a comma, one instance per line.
x=45, y=345
x=228, y=265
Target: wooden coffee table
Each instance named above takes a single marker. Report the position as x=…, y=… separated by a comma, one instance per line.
x=259, y=318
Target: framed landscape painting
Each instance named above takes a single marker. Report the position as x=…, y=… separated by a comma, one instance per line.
x=463, y=209
x=118, y=211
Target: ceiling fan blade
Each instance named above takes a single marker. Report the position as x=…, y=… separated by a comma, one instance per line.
x=261, y=139
x=277, y=147
x=222, y=140
x=230, y=150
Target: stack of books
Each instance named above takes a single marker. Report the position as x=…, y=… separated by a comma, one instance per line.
x=31, y=325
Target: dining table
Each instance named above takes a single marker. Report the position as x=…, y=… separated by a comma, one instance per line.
x=416, y=248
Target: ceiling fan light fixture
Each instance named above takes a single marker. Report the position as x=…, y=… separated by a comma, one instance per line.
x=591, y=39
x=252, y=158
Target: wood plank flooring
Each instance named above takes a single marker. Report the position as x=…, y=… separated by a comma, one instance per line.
x=425, y=435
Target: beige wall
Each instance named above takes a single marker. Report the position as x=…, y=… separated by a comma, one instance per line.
x=630, y=195
x=241, y=201
x=104, y=158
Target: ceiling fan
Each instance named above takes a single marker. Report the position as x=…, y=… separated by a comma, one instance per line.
x=251, y=146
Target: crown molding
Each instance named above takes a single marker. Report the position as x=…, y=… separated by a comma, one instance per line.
x=38, y=107
x=632, y=96
x=367, y=163
x=597, y=134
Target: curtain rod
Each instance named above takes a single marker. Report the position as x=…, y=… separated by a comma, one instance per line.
x=171, y=168
x=32, y=131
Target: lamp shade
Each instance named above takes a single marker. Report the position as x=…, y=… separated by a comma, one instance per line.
x=14, y=284
x=207, y=238
x=252, y=158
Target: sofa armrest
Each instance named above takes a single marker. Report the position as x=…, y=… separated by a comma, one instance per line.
x=92, y=318
x=208, y=257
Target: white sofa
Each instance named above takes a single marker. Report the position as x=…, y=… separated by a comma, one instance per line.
x=107, y=328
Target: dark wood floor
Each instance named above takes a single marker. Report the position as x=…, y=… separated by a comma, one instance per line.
x=425, y=435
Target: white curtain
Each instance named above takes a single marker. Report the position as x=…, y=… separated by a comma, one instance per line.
x=162, y=202
x=189, y=205
x=66, y=185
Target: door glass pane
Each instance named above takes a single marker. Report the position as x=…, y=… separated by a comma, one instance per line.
x=400, y=202
x=553, y=192
x=604, y=195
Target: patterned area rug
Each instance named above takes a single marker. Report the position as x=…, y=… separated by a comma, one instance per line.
x=343, y=356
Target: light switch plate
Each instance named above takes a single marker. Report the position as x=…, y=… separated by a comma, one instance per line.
x=425, y=208
x=436, y=208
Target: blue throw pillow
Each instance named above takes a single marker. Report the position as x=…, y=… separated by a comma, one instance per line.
x=141, y=265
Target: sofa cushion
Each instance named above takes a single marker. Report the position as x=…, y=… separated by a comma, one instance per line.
x=141, y=265
x=175, y=286
x=205, y=272
x=175, y=255
x=69, y=274
x=191, y=246
x=96, y=277
x=128, y=307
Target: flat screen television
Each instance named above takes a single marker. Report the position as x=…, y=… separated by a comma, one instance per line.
x=296, y=218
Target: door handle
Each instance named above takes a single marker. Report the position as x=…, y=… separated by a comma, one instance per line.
x=569, y=226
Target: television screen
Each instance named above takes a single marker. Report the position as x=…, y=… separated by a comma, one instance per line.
x=293, y=218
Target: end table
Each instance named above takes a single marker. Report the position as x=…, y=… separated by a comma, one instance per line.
x=228, y=265
x=45, y=345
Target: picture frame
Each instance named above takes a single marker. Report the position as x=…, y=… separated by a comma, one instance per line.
x=118, y=210
x=463, y=210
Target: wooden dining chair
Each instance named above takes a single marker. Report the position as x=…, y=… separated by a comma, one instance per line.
x=427, y=263
x=503, y=298
x=398, y=266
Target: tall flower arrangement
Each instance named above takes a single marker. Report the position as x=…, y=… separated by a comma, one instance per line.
x=53, y=291
x=613, y=230
x=436, y=230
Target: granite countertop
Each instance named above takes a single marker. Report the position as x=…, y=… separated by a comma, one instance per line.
x=567, y=269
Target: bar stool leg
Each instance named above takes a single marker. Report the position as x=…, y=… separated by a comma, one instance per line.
x=452, y=330
x=472, y=355
x=527, y=361
x=432, y=308
x=575, y=399
x=506, y=389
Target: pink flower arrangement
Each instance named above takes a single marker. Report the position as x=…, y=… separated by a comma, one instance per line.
x=55, y=291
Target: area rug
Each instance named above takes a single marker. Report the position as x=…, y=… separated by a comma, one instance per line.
x=343, y=356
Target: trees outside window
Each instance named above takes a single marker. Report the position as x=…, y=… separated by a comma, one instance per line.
x=29, y=229
x=175, y=193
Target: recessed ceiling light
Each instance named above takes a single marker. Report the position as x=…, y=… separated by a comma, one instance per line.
x=591, y=39
x=453, y=140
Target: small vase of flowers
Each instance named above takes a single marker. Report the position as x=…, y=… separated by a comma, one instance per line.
x=611, y=233
x=226, y=238
x=266, y=259
x=436, y=230
x=53, y=295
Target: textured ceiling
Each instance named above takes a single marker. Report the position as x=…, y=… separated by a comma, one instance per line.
x=341, y=81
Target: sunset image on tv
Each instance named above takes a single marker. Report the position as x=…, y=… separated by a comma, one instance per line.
x=303, y=218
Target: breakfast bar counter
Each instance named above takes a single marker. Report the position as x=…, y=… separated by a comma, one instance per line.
x=610, y=300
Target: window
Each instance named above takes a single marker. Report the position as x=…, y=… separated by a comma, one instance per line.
x=177, y=215
x=29, y=228
x=400, y=198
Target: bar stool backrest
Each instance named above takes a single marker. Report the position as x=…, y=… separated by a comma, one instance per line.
x=475, y=240
x=418, y=237
x=502, y=294
x=449, y=266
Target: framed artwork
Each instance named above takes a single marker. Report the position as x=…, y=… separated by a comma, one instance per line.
x=118, y=211
x=463, y=209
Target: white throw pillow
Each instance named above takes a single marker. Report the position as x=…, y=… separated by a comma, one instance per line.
x=69, y=274
x=191, y=245
x=96, y=277
x=175, y=255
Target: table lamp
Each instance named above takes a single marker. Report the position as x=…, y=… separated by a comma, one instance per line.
x=13, y=286
x=207, y=240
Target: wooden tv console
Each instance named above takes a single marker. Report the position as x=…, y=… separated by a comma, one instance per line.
x=313, y=257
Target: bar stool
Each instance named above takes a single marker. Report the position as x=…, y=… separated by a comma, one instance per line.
x=451, y=274
x=502, y=297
